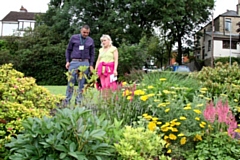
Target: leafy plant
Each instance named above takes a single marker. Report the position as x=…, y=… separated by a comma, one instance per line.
x=215, y=147
x=140, y=144
x=70, y=134
x=20, y=98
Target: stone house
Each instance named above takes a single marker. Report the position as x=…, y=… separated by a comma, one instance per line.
x=219, y=37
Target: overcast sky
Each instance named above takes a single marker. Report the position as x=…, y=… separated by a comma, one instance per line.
x=6, y=6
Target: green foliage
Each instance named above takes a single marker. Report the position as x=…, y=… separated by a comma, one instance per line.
x=225, y=60
x=125, y=21
x=3, y=45
x=70, y=134
x=39, y=54
x=218, y=146
x=20, y=98
x=140, y=144
x=130, y=57
x=223, y=81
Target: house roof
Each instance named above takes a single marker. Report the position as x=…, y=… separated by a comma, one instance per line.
x=15, y=16
x=230, y=13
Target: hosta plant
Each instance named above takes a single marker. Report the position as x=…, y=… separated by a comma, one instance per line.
x=70, y=134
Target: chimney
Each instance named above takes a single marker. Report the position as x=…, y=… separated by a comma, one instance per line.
x=22, y=9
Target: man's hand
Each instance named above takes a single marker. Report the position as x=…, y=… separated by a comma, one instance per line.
x=91, y=69
x=67, y=65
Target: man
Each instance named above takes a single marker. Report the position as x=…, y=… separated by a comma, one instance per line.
x=80, y=52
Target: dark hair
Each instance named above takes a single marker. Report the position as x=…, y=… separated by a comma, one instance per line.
x=85, y=26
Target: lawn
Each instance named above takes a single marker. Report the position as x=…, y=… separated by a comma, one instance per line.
x=61, y=90
x=57, y=89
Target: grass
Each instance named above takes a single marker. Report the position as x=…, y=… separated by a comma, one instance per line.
x=92, y=93
x=57, y=90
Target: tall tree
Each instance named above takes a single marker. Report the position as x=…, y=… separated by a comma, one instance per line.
x=125, y=21
x=182, y=18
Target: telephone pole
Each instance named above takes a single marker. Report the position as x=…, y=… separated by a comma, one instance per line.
x=212, y=53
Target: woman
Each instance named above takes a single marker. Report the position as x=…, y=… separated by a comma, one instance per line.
x=107, y=63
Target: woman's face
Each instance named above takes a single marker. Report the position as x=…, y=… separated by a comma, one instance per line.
x=105, y=42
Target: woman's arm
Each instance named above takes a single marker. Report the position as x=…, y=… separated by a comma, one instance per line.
x=115, y=56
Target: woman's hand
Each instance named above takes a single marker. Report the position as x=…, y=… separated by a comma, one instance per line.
x=115, y=73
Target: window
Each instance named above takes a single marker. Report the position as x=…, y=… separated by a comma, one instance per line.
x=209, y=45
x=228, y=24
x=226, y=44
x=20, y=26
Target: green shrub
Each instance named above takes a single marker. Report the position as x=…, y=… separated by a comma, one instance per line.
x=218, y=146
x=222, y=81
x=70, y=134
x=20, y=97
x=140, y=144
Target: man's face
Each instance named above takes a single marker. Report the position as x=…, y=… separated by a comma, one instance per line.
x=85, y=32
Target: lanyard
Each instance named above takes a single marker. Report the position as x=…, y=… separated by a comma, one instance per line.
x=82, y=41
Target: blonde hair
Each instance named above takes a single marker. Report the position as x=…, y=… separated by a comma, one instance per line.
x=105, y=36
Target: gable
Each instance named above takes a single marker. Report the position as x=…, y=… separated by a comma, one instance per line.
x=15, y=16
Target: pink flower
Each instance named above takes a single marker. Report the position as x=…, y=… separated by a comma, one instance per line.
x=210, y=112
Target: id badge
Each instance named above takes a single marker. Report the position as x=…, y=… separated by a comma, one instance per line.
x=81, y=48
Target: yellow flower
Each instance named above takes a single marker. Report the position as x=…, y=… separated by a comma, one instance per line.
x=167, y=145
x=177, y=123
x=129, y=97
x=183, y=140
x=144, y=98
x=203, y=89
x=237, y=130
x=197, y=111
x=145, y=114
x=150, y=95
x=173, y=121
x=154, y=118
x=126, y=93
x=201, y=125
x=159, y=122
x=199, y=105
x=164, y=129
x=150, y=87
x=162, y=104
x=200, y=95
x=208, y=98
x=166, y=91
x=124, y=83
x=182, y=118
x=204, y=123
x=169, y=151
x=162, y=79
x=174, y=129
x=172, y=136
x=165, y=137
x=166, y=124
x=187, y=108
x=167, y=103
x=151, y=126
x=235, y=100
x=197, y=118
x=167, y=110
x=197, y=137
x=180, y=135
x=148, y=117
x=139, y=92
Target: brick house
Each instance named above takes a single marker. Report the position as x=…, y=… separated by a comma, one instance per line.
x=217, y=39
x=17, y=22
